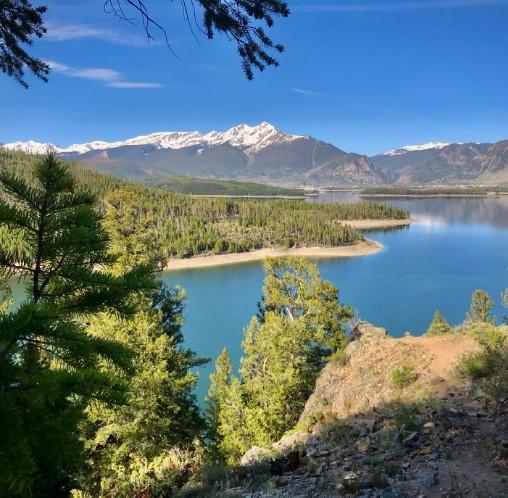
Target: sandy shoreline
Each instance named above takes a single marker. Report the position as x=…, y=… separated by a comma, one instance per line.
x=373, y=224
x=359, y=249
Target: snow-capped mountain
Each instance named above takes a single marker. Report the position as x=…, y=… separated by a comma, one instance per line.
x=267, y=154
x=259, y=153
x=251, y=138
x=416, y=148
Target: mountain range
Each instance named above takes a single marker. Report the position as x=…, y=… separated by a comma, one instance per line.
x=266, y=154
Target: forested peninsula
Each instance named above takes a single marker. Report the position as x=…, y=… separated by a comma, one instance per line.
x=175, y=226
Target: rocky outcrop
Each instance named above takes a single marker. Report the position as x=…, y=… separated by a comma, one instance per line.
x=365, y=380
x=363, y=435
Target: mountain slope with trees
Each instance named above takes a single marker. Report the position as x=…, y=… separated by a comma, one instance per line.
x=266, y=154
x=176, y=225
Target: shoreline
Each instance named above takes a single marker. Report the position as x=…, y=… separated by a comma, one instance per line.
x=432, y=196
x=373, y=224
x=361, y=248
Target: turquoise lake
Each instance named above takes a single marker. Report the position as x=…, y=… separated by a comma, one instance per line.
x=455, y=246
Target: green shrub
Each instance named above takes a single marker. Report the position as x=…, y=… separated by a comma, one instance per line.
x=404, y=376
x=340, y=357
x=314, y=419
x=491, y=362
x=439, y=325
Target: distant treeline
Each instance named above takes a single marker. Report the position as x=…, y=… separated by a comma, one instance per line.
x=209, y=186
x=177, y=225
x=431, y=191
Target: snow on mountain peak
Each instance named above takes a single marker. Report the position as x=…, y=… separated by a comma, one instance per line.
x=415, y=148
x=32, y=147
x=251, y=138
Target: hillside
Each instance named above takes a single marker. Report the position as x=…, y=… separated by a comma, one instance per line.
x=175, y=225
x=258, y=153
x=201, y=186
x=446, y=164
x=363, y=434
x=265, y=154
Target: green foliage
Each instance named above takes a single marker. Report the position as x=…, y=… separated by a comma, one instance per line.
x=406, y=416
x=20, y=22
x=404, y=376
x=5, y=297
x=220, y=381
x=176, y=225
x=300, y=324
x=491, y=362
x=340, y=357
x=481, y=307
x=49, y=362
x=208, y=186
x=439, y=325
x=245, y=23
x=213, y=480
x=148, y=443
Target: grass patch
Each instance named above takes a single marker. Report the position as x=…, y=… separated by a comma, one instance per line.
x=404, y=376
x=340, y=357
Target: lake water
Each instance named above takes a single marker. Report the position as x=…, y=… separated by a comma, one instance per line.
x=455, y=246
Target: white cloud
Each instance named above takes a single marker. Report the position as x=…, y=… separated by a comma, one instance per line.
x=132, y=84
x=396, y=6
x=109, y=77
x=64, y=32
x=303, y=91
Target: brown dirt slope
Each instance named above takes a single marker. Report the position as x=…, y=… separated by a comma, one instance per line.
x=362, y=436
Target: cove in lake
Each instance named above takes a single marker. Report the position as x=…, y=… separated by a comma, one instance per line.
x=454, y=247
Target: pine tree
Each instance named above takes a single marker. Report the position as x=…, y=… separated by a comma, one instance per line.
x=481, y=307
x=5, y=296
x=19, y=23
x=133, y=238
x=220, y=381
x=235, y=438
x=147, y=443
x=299, y=325
x=439, y=325
x=49, y=363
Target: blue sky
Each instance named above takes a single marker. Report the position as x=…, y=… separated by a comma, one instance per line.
x=365, y=75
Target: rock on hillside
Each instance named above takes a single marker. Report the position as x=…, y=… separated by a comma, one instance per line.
x=365, y=382
x=361, y=435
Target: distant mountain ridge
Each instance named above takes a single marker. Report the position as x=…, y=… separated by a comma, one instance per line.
x=263, y=153
x=446, y=163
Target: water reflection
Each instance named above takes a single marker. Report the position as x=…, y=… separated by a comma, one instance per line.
x=440, y=210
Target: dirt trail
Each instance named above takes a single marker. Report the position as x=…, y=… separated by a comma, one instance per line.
x=443, y=351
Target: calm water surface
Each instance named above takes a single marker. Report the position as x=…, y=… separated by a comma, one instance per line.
x=455, y=247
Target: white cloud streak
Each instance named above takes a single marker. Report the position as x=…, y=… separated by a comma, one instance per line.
x=396, y=6
x=303, y=91
x=64, y=32
x=108, y=77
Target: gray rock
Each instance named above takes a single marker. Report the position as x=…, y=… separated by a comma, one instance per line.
x=427, y=478
x=365, y=330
